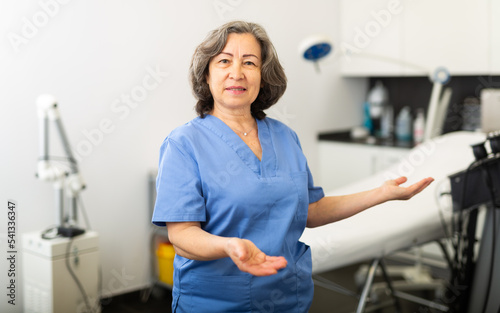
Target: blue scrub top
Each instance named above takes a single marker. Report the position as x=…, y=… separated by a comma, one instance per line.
x=208, y=174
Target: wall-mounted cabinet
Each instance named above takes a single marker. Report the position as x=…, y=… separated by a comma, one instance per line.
x=412, y=38
x=344, y=163
x=369, y=37
x=495, y=37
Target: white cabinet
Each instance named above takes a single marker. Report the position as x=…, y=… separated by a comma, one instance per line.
x=495, y=38
x=371, y=34
x=451, y=33
x=408, y=38
x=343, y=163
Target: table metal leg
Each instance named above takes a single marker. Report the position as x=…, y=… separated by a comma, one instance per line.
x=368, y=284
x=397, y=303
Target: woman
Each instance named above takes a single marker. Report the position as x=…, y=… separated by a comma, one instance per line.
x=234, y=188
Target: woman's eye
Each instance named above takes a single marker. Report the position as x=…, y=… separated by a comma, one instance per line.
x=224, y=61
x=249, y=63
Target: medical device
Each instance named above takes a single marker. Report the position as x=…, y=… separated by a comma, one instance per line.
x=61, y=275
x=65, y=182
x=472, y=187
x=61, y=264
x=315, y=48
x=478, y=276
x=394, y=226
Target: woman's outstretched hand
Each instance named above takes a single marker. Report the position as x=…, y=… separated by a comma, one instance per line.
x=394, y=191
x=250, y=259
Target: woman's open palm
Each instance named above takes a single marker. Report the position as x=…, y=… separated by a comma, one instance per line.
x=250, y=259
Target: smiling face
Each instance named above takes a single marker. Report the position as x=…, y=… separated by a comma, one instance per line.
x=234, y=75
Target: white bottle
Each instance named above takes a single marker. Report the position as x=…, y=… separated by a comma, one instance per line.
x=378, y=98
x=419, y=127
x=404, y=125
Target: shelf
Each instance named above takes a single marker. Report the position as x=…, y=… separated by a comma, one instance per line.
x=344, y=136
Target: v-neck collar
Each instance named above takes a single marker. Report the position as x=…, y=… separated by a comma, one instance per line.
x=266, y=167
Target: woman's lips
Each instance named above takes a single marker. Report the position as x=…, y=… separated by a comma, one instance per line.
x=236, y=89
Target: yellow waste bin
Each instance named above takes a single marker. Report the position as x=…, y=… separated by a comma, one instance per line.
x=165, y=254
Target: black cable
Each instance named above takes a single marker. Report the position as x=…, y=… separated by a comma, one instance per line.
x=440, y=212
x=456, y=245
x=489, y=184
x=50, y=233
x=461, y=269
x=84, y=212
x=87, y=222
x=75, y=278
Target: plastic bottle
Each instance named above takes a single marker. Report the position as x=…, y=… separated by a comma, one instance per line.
x=367, y=122
x=404, y=125
x=419, y=127
x=387, y=124
x=378, y=98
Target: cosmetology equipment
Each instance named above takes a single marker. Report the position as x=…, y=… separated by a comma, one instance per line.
x=70, y=182
x=61, y=264
x=438, y=103
x=61, y=275
x=315, y=48
x=477, y=278
x=394, y=225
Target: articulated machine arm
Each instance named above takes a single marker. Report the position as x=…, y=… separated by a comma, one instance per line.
x=69, y=182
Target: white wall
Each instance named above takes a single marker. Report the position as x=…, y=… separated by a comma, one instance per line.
x=91, y=55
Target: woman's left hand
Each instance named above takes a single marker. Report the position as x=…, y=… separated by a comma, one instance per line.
x=394, y=191
x=251, y=259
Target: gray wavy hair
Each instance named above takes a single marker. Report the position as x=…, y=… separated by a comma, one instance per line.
x=273, y=76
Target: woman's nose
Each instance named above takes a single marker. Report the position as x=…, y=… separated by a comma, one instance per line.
x=236, y=72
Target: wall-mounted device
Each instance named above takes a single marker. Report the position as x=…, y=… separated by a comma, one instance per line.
x=315, y=48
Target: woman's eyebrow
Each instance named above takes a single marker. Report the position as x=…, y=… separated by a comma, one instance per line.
x=245, y=55
x=250, y=55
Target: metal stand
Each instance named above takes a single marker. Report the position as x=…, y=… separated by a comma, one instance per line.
x=376, y=263
x=394, y=288
x=65, y=182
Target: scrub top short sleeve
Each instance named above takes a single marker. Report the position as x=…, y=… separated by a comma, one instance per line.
x=180, y=190
x=208, y=174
